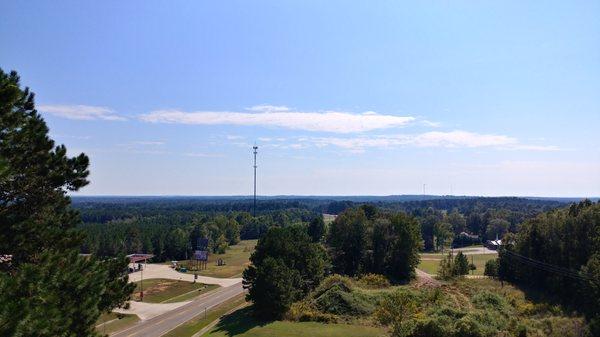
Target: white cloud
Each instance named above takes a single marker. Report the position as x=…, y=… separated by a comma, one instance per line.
x=536, y=147
x=431, y=124
x=81, y=112
x=203, y=155
x=150, y=143
x=461, y=139
x=451, y=139
x=234, y=137
x=268, y=108
x=283, y=117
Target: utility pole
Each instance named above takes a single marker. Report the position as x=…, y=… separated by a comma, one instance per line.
x=255, y=148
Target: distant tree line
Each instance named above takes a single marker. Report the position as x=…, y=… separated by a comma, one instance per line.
x=174, y=235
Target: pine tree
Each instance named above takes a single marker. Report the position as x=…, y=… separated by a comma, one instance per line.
x=316, y=228
x=461, y=264
x=46, y=288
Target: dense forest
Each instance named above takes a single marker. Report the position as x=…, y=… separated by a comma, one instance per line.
x=169, y=227
x=559, y=252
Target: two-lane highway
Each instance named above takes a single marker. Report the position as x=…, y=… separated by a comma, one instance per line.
x=168, y=321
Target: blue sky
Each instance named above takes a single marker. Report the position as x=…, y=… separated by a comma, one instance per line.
x=466, y=97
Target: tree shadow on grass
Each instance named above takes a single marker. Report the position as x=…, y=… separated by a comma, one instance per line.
x=238, y=322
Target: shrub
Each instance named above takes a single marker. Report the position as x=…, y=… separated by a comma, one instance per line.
x=340, y=300
x=468, y=327
x=488, y=300
x=398, y=307
x=446, y=270
x=437, y=326
x=461, y=265
x=332, y=280
x=491, y=268
x=373, y=281
x=303, y=311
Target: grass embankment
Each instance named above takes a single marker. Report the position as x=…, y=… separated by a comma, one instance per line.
x=169, y=291
x=241, y=323
x=465, y=307
x=430, y=263
x=113, y=322
x=236, y=259
x=341, y=306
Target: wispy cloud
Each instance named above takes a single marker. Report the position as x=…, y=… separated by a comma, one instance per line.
x=451, y=139
x=203, y=155
x=283, y=117
x=149, y=142
x=82, y=112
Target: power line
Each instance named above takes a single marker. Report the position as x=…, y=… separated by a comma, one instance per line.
x=548, y=267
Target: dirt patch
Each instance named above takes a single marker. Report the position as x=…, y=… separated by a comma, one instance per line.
x=425, y=280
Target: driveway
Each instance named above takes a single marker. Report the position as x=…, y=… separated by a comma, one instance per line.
x=164, y=271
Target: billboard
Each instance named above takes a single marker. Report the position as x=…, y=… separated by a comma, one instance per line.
x=201, y=255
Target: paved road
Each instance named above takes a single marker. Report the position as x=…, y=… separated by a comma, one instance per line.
x=168, y=321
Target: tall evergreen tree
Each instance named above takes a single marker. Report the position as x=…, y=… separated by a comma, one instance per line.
x=46, y=288
x=316, y=228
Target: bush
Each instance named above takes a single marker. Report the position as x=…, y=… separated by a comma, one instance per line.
x=373, y=281
x=446, y=270
x=303, y=311
x=340, y=300
x=332, y=280
x=491, y=268
x=437, y=326
x=487, y=300
x=468, y=327
x=461, y=264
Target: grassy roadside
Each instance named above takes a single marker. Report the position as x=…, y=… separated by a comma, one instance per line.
x=199, y=322
x=164, y=290
x=112, y=322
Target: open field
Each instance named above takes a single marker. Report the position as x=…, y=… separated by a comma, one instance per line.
x=169, y=291
x=112, y=322
x=236, y=259
x=199, y=322
x=241, y=324
x=328, y=218
x=431, y=262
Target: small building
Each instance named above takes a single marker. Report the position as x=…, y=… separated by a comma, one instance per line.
x=493, y=244
x=136, y=261
x=468, y=236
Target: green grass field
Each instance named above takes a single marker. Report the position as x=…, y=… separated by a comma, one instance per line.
x=241, y=324
x=112, y=322
x=431, y=262
x=168, y=291
x=236, y=259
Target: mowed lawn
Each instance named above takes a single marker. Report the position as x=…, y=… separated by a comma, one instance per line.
x=169, y=291
x=236, y=259
x=430, y=263
x=113, y=322
x=241, y=324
